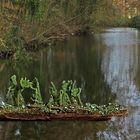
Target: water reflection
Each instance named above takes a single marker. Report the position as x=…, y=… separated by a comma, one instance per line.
x=106, y=67
x=50, y=130
x=120, y=64
x=120, y=67
x=78, y=59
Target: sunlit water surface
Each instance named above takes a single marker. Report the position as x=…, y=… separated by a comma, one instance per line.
x=106, y=66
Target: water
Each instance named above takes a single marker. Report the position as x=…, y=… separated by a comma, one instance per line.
x=106, y=66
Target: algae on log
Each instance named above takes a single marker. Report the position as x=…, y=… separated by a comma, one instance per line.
x=64, y=104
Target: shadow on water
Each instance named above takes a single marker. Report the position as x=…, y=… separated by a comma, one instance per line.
x=105, y=66
x=50, y=130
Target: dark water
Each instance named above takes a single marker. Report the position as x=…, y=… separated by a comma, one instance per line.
x=106, y=66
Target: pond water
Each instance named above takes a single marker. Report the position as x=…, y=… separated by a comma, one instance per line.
x=106, y=66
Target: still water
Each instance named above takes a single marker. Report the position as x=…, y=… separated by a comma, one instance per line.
x=106, y=66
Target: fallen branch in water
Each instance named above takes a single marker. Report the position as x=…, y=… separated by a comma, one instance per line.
x=64, y=104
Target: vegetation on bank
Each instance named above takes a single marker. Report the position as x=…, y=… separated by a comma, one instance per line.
x=39, y=23
x=31, y=24
x=135, y=22
x=65, y=100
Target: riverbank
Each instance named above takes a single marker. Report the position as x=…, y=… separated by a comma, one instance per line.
x=43, y=40
x=50, y=38
x=36, y=24
x=32, y=25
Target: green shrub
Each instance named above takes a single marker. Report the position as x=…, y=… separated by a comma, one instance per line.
x=135, y=22
x=122, y=22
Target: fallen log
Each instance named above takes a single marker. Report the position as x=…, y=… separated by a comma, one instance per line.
x=36, y=115
x=65, y=104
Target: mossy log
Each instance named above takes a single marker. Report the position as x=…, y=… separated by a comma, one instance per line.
x=65, y=104
x=36, y=115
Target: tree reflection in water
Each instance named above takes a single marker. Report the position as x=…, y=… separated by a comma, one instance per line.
x=105, y=66
x=120, y=67
x=50, y=130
